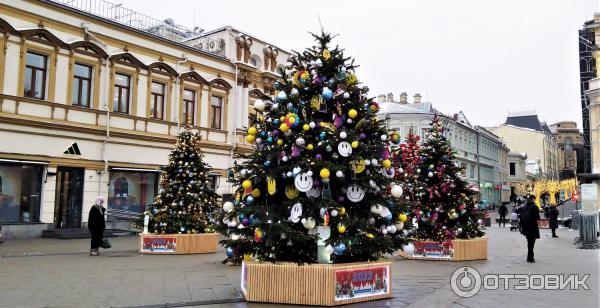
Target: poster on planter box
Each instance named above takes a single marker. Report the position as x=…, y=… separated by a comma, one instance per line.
x=159, y=244
x=361, y=282
x=433, y=250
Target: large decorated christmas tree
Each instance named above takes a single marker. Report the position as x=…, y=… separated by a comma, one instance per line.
x=446, y=208
x=320, y=171
x=185, y=200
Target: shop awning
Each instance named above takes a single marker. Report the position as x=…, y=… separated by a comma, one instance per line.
x=20, y=161
x=134, y=169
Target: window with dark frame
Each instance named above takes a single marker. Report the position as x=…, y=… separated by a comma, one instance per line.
x=216, y=110
x=35, y=76
x=82, y=85
x=513, y=169
x=121, y=95
x=157, y=101
x=189, y=102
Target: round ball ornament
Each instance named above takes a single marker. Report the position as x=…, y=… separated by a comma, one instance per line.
x=228, y=206
x=386, y=163
x=281, y=97
x=324, y=173
x=396, y=191
x=352, y=113
x=229, y=252
x=339, y=249
x=343, y=135
x=341, y=228
x=300, y=142
x=327, y=94
x=259, y=105
x=246, y=184
x=402, y=217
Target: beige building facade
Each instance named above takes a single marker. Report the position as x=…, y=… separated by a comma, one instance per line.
x=536, y=144
x=90, y=106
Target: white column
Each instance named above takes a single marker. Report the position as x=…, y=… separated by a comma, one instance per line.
x=245, y=106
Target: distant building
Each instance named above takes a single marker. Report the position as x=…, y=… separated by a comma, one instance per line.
x=517, y=173
x=525, y=133
x=571, y=148
x=477, y=149
x=588, y=36
x=593, y=93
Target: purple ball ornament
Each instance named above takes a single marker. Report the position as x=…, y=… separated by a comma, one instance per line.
x=245, y=222
x=340, y=199
x=319, y=157
x=362, y=136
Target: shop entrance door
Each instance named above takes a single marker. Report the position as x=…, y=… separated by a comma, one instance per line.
x=69, y=197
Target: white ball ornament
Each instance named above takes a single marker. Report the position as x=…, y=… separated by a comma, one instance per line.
x=339, y=174
x=343, y=135
x=383, y=137
x=275, y=106
x=334, y=213
x=396, y=191
x=349, y=121
x=309, y=173
x=312, y=124
x=259, y=105
x=289, y=174
x=300, y=142
x=391, y=229
x=430, y=174
x=384, y=231
x=228, y=206
x=285, y=158
x=346, y=95
x=258, y=140
x=374, y=162
x=367, y=162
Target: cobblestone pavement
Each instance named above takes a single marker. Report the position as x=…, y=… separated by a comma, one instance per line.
x=59, y=273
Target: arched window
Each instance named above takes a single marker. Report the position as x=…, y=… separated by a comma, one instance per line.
x=255, y=61
x=121, y=187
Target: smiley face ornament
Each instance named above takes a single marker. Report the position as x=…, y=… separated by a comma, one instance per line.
x=344, y=148
x=303, y=182
x=355, y=193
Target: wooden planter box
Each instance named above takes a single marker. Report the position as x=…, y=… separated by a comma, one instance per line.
x=178, y=244
x=316, y=284
x=455, y=250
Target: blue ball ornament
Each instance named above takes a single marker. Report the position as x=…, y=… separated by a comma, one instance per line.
x=281, y=96
x=327, y=93
x=241, y=216
x=290, y=106
x=250, y=200
x=229, y=252
x=253, y=220
x=276, y=122
x=267, y=164
x=322, y=135
x=339, y=249
x=270, y=140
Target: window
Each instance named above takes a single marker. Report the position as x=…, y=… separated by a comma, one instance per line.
x=189, y=102
x=216, y=107
x=212, y=182
x=158, y=101
x=20, y=189
x=35, y=76
x=129, y=193
x=82, y=84
x=513, y=169
x=121, y=95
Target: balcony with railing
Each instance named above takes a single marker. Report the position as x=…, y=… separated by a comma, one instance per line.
x=166, y=29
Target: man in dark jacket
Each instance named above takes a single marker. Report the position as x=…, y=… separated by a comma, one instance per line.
x=530, y=214
x=502, y=210
x=553, y=219
x=96, y=225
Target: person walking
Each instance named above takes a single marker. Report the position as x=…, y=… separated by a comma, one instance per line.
x=529, y=216
x=96, y=225
x=553, y=219
x=502, y=210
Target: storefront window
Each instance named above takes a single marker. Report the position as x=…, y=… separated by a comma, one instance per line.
x=20, y=189
x=129, y=193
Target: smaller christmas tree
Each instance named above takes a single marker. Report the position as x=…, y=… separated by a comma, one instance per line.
x=185, y=201
x=446, y=207
x=407, y=159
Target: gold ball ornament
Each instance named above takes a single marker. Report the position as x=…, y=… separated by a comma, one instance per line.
x=252, y=131
x=284, y=127
x=352, y=113
x=250, y=138
x=306, y=127
x=310, y=147
x=402, y=217
x=279, y=142
x=354, y=144
x=246, y=184
x=341, y=228
x=324, y=173
x=256, y=193
x=386, y=163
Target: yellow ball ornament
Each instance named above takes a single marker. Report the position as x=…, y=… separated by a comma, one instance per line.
x=341, y=228
x=292, y=120
x=354, y=144
x=352, y=113
x=387, y=163
x=402, y=217
x=246, y=184
x=306, y=127
x=370, y=235
x=256, y=193
x=279, y=142
x=324, y=173
x=252, y=131
x=250, y=138
x=284, y=127
x=310, y=147
x=342, y=211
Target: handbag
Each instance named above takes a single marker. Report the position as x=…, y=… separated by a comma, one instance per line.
x=105, y=244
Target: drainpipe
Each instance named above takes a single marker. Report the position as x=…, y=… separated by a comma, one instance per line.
x=177, y=80
x=85, y=28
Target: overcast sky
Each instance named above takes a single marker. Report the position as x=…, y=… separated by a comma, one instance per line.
x=479, y=56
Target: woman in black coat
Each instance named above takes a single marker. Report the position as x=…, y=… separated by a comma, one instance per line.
x=553, y=219
x=96, y=225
